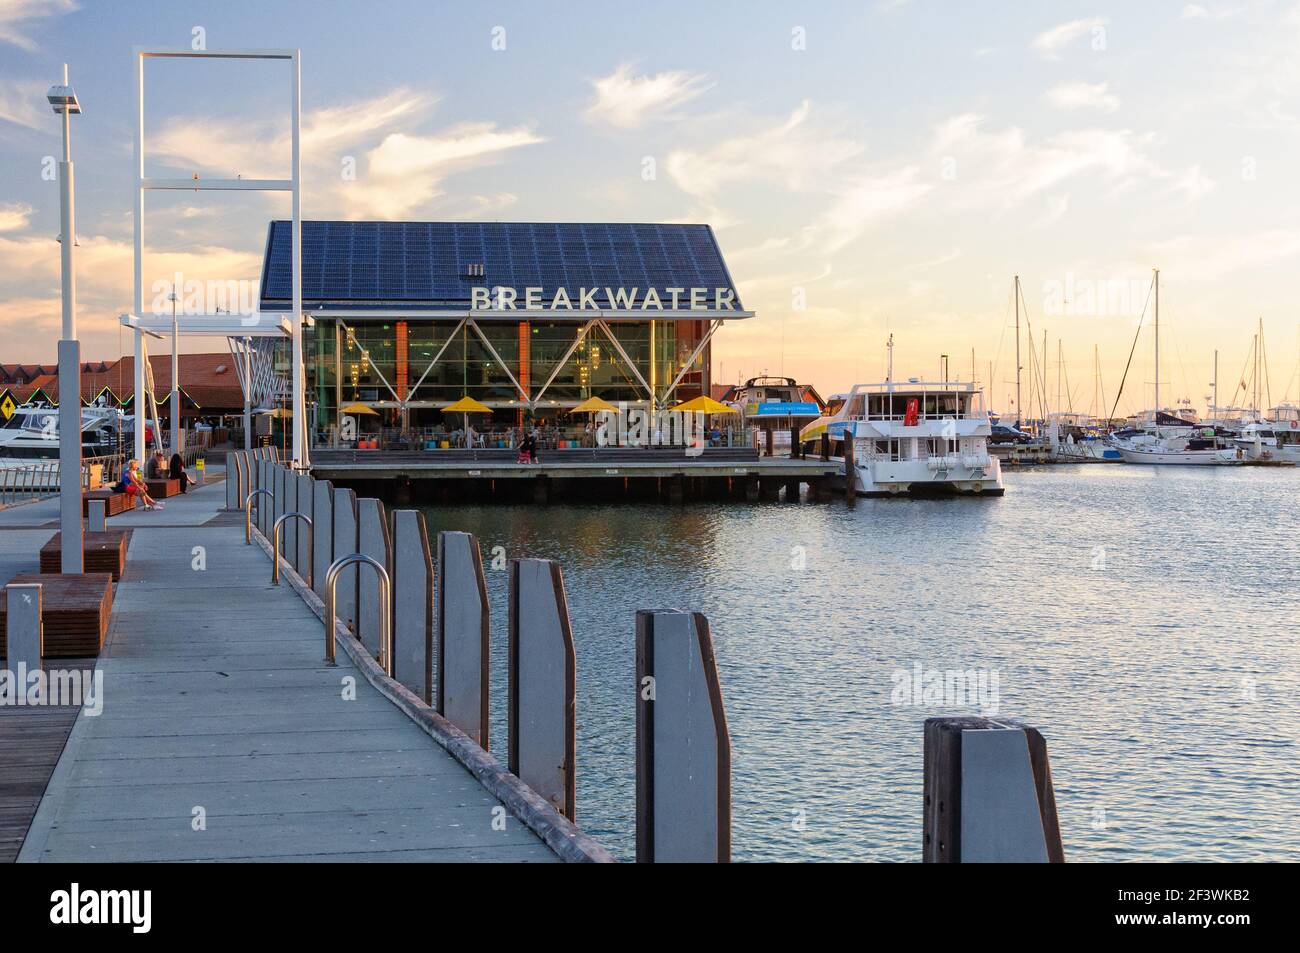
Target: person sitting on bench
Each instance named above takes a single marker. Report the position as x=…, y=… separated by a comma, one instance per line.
x=176, y=471
x=157, y=467
x=132, y=484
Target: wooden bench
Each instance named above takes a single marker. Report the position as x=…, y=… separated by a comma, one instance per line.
x=117, y=502
x=162, y=488
x=103, y=552
x=74, y=612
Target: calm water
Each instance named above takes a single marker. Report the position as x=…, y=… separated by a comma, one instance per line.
x=1165, y=683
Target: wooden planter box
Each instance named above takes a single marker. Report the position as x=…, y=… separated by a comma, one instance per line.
x=117, y=502
x=74, y=611
x=161, y=489
x=103, y=552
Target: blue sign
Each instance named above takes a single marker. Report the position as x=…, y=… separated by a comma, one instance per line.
x=778, y=408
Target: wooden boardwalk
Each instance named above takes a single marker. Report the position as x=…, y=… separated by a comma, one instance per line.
x=224, y=737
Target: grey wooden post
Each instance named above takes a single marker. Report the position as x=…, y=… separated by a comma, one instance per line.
x=265, y=506
x=96, y=515
x=245, y=475
x=24, y=631
x=683, y=747
x=289, y=504
x=322, y=511
x=345, y=543
x=305, y=503
x=543, y=684
x=279, y=475
x=373, y=541
x=233, y=500
x=988, y=793
x=462, y=633
x=412, y=604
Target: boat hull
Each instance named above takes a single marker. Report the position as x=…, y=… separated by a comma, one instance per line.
x=1180, y=458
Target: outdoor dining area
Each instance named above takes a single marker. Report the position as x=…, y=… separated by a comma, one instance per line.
x=469, y=424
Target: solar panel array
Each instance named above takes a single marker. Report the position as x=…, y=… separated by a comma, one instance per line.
x=425, y=264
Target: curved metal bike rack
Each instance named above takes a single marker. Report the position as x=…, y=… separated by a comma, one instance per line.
x=248, y=513
x=385, y=608
x=275, y=545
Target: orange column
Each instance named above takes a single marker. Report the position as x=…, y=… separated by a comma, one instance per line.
x=525, y=364
x=400, y=376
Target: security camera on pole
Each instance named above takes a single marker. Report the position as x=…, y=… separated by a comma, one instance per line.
x=64, y=101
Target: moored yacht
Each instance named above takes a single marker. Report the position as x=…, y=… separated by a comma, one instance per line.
x=914, y=438
x=33, y=432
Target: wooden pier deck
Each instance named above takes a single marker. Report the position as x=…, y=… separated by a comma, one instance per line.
x=224, y=737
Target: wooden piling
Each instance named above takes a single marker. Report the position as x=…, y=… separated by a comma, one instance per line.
x=988, y=793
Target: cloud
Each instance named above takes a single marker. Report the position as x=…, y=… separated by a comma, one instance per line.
x=1049, y=43
x=1192, y=184
x=627, y=101
x=1082, y=96
x=1213, y=257
x=1004, y=169
x=865, y=203
x=14, y=216
x=23, y=103
x=388, y=179
x=1194, y=11
x=16, y=14
x=794, y=153
x=405, y=172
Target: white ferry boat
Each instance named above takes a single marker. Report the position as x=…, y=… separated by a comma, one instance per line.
x=914, y=438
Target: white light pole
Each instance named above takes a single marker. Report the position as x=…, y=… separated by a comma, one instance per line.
x=65, y=104
x=176, y=376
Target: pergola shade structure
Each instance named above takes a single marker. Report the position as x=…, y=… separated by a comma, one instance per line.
x=533, y=317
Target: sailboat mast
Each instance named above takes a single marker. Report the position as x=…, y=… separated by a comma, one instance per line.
x=1017, y=296
x=1157, y=271
x=1214, y=411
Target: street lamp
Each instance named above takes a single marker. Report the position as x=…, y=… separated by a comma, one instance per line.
x=64, y=101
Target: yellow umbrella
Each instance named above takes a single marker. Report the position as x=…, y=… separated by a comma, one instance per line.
x=467, y=405
x=593, y=405
x=706, y=405
x=360, y=409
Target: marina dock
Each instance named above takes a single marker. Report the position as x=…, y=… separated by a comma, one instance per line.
x=223, y=736
x=662, y=473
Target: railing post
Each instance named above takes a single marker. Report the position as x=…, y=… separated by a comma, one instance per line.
x=988, y=793
x=543, y=684
x=322, y=514
x=345, y=544
x=462, y=634
x=275, y=543
x=373, y=541
x=683, y=747
x=412, y=604
x=233, y=483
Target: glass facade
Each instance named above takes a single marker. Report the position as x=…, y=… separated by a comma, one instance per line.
x=521, y=370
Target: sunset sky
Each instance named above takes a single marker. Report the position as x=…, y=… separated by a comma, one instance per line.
x=868, y=167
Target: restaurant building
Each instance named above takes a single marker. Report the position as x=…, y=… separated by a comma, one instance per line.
x=527, y=318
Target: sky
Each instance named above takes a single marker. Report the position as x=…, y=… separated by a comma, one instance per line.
x=872, y=168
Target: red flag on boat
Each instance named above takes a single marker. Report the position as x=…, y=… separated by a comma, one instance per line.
x=913, y=411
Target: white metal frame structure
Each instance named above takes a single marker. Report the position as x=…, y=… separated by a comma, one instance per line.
x=293, y=185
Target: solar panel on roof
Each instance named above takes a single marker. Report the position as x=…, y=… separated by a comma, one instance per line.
x=424, y=264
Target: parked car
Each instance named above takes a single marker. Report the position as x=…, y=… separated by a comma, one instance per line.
x=1002, y=434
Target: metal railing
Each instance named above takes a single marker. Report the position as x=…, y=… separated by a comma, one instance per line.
x=35, y=481
x=275, y=545
x=248, y=513
x=385, y=608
